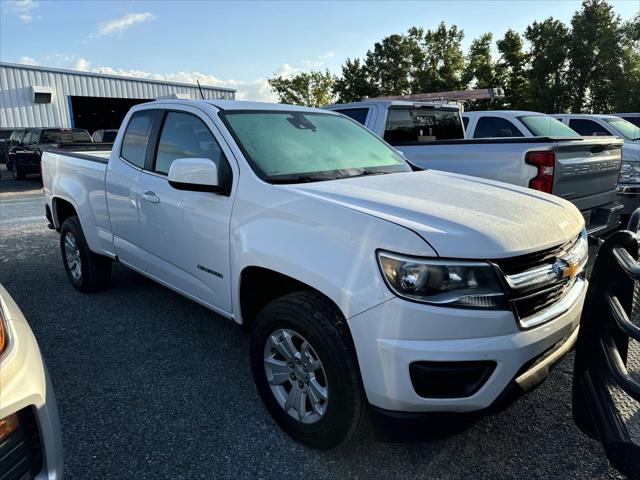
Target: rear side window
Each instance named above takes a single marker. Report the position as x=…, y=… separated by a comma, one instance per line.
x=587, y=128
x=413, y=126
x=494, y=127
x=186, y=136
x=136, y=137
x=358, y=114
x=546, y=126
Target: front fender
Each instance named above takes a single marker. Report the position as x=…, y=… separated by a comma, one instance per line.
x=328, y=247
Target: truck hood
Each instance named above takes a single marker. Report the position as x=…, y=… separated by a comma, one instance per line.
x=459, y=216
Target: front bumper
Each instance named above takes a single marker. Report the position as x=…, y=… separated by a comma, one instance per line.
x=602, y=219
x=27, y=391
x=629, y=197
x=391, y=337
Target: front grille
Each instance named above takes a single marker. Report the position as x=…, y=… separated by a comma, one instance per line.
x=531, y=304
x=527, y=302
x=20, y=451
x=510, y=266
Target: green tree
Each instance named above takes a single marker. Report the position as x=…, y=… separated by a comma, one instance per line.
x=596, y=57
x=354, y=84
x=510, y=71
x=389, y=65
x=479, y=68
x=627, y=94
x=443, y=60
x=547, y=90
x=310, y=89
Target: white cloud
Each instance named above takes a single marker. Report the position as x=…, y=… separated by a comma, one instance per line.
x=82, y=64
x=27, y=61
x=22, y=9
x=319, y=61
x=119, y=25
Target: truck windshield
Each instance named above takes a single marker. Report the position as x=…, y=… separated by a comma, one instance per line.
x=65, y=135
x=545, y=126
x=414, y=126
x=624, y=127
x=295, y=147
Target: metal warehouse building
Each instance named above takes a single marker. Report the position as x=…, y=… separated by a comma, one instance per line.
x=32, y=96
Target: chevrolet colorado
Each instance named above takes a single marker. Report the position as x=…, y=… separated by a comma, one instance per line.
x=362, y=282
x=499, y=146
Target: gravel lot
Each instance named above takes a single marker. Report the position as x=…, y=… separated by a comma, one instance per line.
x=151, y=385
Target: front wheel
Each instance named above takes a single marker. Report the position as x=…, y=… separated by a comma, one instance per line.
x=306, y=371
x=87, y=271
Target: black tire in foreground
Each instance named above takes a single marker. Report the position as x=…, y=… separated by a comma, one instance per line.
x=305, y=368
x=17, y=172
x=87, y=271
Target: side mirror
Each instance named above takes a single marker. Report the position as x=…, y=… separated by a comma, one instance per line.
x=195, y=174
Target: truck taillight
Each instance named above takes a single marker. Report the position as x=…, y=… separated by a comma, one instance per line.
x=545, y=163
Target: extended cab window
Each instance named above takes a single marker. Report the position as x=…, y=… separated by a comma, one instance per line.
x=587, y=128
x=413, y=126
x=358, y=114
x=493, y=127
x=186, y=136
x=136, y=138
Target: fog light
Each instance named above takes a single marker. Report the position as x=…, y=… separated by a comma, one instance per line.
x=8, y=425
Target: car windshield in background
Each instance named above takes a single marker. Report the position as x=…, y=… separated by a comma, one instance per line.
x=294, y=147
x=413, y=126
x=545, y=126
x=109, y=136
x=65, y=135
x=625, y=128
x=5, y=134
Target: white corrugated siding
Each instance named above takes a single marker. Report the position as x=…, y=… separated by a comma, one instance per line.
x=18, y=110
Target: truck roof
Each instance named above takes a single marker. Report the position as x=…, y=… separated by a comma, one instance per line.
x=241, y=105
x=502, y=113
x=584, y=115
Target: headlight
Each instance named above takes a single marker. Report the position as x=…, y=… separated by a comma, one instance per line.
x=630, y=172
x=443, y=282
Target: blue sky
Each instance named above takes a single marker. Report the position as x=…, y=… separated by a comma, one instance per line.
x=240, y=44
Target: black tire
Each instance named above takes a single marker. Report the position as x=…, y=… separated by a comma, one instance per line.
x=17, y=172
x=94, y=269
x=322, y=325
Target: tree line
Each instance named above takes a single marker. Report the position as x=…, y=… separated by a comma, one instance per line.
x=591, y=65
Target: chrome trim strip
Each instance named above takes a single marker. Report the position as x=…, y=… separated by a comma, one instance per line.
x=558, y=308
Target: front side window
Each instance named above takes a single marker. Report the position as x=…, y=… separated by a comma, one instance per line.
x=587, y=128
x=546, y=126
x=414, y=126
x=495, y=127
x=357, y=114
x=625, y=128
x=291, y=147
x=186, y=136
x=136, y=138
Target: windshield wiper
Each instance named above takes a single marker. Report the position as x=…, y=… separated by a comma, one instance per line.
x=303, y=178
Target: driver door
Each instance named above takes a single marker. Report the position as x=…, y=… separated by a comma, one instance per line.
x=186, y=233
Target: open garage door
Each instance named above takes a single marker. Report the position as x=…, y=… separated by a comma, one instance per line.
x=96, y=113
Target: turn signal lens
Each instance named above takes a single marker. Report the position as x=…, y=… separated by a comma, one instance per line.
x=8, y=425
x=3, y=335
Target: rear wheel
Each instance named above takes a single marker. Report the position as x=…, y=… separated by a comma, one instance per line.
x=17, y=172
x=87, y=271
x=306, y=371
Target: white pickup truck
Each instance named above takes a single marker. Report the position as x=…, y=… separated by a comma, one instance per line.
x=528, y=149
x=362, y=282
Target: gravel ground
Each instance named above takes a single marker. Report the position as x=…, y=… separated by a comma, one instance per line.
x=152, y=386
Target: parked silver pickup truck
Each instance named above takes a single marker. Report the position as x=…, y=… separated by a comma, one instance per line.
x=431, y=135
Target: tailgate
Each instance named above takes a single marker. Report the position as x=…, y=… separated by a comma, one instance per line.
x=587, y=170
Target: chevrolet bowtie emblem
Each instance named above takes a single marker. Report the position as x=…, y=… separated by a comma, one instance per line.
x=565, y=268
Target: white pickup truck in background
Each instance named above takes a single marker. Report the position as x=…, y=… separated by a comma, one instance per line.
x=362, y=282
x=598, y=125
x=539, y=152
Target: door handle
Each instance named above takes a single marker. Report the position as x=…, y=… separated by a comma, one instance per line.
x=150, y=197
